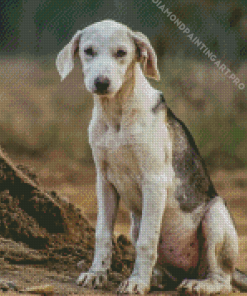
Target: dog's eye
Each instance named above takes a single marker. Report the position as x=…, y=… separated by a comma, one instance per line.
x=121, y=53
x=89, y=51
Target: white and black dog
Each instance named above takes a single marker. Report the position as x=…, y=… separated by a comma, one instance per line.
x=147, y=157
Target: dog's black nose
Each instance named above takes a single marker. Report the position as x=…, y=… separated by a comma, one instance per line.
x=101, y=83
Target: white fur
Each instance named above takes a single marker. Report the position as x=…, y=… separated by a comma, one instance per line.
x=132, y=150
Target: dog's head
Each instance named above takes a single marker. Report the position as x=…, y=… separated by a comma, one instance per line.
x=106, y=50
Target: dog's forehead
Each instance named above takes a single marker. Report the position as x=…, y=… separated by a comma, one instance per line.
x=106, y=27
x=107, y=32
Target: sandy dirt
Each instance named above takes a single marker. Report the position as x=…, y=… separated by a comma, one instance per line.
x=40, y=253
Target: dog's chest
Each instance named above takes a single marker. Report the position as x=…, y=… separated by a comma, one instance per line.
x=123, y=169
x=132, y=153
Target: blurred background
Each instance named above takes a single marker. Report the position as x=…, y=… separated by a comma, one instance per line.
x=43, y=122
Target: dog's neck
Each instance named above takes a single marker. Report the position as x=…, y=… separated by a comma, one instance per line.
x=132, y=94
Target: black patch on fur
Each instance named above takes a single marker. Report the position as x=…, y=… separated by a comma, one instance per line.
x=195, y=186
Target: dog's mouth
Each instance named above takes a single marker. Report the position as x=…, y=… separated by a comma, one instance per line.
x=105, y=93
x=101, y=92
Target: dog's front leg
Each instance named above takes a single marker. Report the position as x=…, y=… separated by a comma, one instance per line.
x=153, y=203
x=107, y=210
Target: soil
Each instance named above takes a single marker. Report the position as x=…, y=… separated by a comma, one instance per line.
x=43, y=237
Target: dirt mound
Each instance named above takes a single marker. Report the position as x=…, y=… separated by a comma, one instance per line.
x=41, y=229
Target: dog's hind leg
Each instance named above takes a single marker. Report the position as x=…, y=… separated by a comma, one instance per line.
x=218, y=255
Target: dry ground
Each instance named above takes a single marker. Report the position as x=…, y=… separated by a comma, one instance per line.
x=76, y=183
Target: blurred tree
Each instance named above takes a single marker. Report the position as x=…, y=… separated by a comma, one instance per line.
x=40, y=26
x=28, y=40
x=10, y=13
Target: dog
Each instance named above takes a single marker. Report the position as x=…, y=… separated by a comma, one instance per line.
x=145, y=155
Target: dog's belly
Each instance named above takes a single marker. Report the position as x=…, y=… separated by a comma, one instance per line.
x=179, y=251
x=178, y=244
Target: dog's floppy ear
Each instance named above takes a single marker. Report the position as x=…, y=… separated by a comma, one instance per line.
x=65, y=58
x=146, y=55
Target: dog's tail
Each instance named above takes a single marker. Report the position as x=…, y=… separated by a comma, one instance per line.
x=239, y=280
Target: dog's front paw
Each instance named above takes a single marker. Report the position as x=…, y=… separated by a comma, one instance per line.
x=92, y=279
x=204, y=287
x=134, y=285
